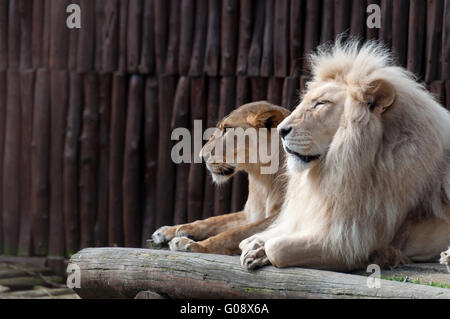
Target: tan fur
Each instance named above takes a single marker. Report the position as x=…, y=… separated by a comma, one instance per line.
x=222, y=234
x=378, y=170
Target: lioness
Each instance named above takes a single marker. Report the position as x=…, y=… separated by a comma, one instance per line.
x=368, y=163
x=222, y=234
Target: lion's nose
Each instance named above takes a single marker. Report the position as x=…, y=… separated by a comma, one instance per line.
x=285, y=131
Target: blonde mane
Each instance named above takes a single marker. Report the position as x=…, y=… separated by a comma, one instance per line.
x=378, y=171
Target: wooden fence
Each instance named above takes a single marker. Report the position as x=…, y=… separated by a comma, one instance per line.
x=86, y=114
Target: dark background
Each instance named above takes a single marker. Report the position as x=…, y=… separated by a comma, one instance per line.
x=86, y=114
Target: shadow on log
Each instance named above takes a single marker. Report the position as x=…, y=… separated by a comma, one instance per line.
x=125, y=272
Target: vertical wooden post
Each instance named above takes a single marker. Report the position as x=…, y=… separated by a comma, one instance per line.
x=71, y=167
x=256, y=47
x=358, y=19
x=3, y=35
x=267, y=54
x=181, y=118
x=275, y=90
x=73, y=36
x=230, y=27
x=188, y=19
x=328, y=23
x=198, y=50
x=151, y=157
x=110, y=42
x=371, y=33
x=3, y=103
x=86, y=39
x=116, y=141
x=13, y=34
x=58, y=100
x=212, y=51
x=245, y=35
x=435, y=10
x=290, y=92
x=131, y=167
x=59, y=34
x=101, y=224
x=297, y=26
x=446, y=43
x=197, y=170
x=161, y=38
x=40, y=188
x=174, y=38
x=400, y=30
x=11, y=165
x=385, y=32
x=26, y=16
x=134, y=28
x=342, y=16
x=312, y=27
x=122, y=34
x=89, y=161
x=416, y=37
x=281, y=38
x=147, y=61
x=99, y=22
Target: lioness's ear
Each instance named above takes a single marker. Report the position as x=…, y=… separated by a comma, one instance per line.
x=267, y=118
x=381, y=96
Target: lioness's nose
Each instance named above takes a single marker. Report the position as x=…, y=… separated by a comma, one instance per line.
x=284, y=131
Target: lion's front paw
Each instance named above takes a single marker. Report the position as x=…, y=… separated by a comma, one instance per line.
x=445, y=259
x=164, y=234
x=185, y=244
x=253, y=253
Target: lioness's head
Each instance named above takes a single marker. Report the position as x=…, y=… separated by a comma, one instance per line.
x=336, y=97
x=233, y=138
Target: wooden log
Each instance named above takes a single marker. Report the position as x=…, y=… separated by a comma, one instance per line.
x=166, y=168
x=358, y=19
x=267, y=53
x=342, y=17
x=212, y=50
x=131, y=167
x=110, y=42
x=123, y=32
x=312, y=27
x=161, y=28
x=116, y=141
x=193, y=275
x=281, y=38
x=73, y=35
x=258, y=89
x=385, y=32
x=29, y=282
x=26, y=105
x=447, y=95
x=245, y=35
x=101, y=224
x=26, y=18
x=186, y=35
x=59, y=34
x=212, y=117
x=89, y=161
x=296, y=31
x=134, y=38
x=416, y=37
x=70, y=170
x=37, y=28
x=37, y=292
x=99, y=22
x=3, y=35
x=3, y=103
x=86, y=38
x=371, y=33
x=229, y=28
x=198, y=50
x=46, y=32
x=181, y=118
x=197, y=170
x=435, y=10
x=174, y=38
x=14, y=34
x=12, y=271
x=445, y=74
x=147, y=61
x=275, y=90
x=222, y=195
x=58, y=99
x=290, y=92
x=256, y=46
x=40, y=188
x=11, y=165
x=400, y=30
x=150, y=157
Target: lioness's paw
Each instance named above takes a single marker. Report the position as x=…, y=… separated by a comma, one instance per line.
x=164, y=234
x=253, y=254
x=445, y=259
x=184, y=244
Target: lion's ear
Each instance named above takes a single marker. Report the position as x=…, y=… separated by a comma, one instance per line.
x=268, y=118
x=381, y=96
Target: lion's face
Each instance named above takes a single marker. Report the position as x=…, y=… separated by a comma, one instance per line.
x=309, y=130
x=236, y=153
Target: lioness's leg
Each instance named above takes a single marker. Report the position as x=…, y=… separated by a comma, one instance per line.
x=200, y=229
x=226, y=243
x=445, y=258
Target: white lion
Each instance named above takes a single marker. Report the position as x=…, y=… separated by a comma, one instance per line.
x=369, y=168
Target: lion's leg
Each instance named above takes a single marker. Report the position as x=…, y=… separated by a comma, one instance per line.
x=445, y=258
x=200, y=229
x=226, y=243
x=427, y=240
x=388, y=257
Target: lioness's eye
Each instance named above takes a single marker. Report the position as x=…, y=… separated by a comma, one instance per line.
x=317, y=103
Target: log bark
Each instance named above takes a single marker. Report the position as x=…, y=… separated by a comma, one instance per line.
x=212, y=51
x=134, y=34
x=123, y=273
x=416, y=37
x=229, y=43
x=4, y=35
x=3, y=94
